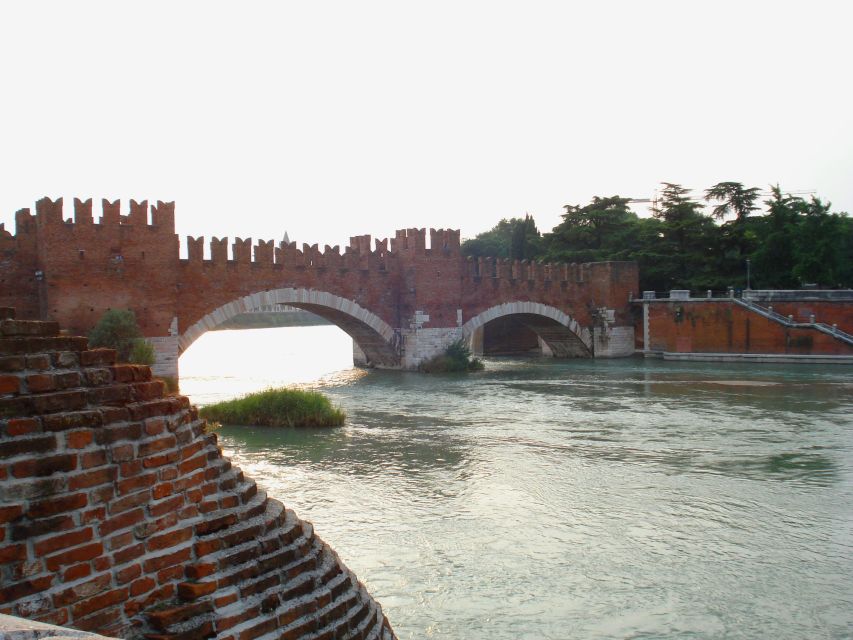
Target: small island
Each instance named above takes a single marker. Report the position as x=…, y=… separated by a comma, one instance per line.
x=276, y=408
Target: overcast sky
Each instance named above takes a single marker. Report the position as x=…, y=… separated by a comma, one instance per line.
x=330, y=119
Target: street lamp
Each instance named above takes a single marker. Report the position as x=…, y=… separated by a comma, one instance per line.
x=748, y=288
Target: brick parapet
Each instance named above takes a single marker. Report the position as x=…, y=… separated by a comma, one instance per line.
x=119, y=514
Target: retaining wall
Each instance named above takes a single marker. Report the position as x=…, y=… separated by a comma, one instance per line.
x=119, y=514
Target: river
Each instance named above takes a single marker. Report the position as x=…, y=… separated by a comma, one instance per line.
x=563, y=499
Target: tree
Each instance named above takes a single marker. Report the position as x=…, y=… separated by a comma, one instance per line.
x=601, y=230
x=733, y=198
x=117, y=329
x=516, y=238
x=689, y=237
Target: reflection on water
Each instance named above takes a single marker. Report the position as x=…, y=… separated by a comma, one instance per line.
x=546, y=499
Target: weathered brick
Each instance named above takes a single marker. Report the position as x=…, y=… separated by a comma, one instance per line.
x=93, y=459
x=28, y=328
x=10, y=384
x=68, y=380
x=94, y=357
x=77, y=572
x=155, y=446
x=91, y=478
x=122, y=372
x=122, y=452
x=59, y=401
x=169, y=539
x=65, y=359
x=10, y=513
x=13, y=552
x=162, y=490
x=40, y=362
x=142, y=586
x=137, y=482
x=113, y=394
x=160, y=459
x=193, y=463
x=97, y=377
x=20, y=446
x=129, y=553
x=40, y=383
x=126, y=574
x=78, y=554
x=62, y=541
x=57, y=505
x=165, y=618
x=100, y=601
x=148, y=390
x=44, y=466
x=165, y=506
x=23, y=530
x=11, y=363
x=115, y=433
x=22, y=426
x=195, y=590
x=122, y=521
x=155, y=426
x=215, y=524
x=12, y=592
x=129, y=502
x=79, y=439
x=167, y=560
x=67, y=421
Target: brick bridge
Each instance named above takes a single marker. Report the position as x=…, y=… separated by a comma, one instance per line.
x=401, y=301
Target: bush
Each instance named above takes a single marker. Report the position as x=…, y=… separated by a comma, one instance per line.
x=456, y=358
x=171, y=383
x=277, y=408
x=117, y=329
x=142, y=352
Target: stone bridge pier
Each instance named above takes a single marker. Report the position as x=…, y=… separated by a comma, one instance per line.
x=402, y=300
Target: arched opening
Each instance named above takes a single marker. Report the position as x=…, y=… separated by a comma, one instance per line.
x=375, y=340
x=517, y=328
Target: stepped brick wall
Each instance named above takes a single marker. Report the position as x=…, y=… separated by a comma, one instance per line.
x=726, y=327
x=119, y=514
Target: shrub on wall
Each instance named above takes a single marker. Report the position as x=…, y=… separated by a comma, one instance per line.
x=456, y=358
x=117, y=329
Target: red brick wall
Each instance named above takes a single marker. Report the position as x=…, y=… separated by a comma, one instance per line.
x=726, y=327
x=119, y=514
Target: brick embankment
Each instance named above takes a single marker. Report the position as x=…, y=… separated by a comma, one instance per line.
x=119, y=514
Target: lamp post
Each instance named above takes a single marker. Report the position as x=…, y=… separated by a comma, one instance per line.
x=748, y=288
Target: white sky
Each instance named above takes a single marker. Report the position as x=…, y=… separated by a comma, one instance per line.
x=330, y=119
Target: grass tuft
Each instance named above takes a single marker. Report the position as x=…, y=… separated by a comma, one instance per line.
x=276, y=408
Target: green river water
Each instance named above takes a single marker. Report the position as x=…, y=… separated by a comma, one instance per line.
x=564, y=499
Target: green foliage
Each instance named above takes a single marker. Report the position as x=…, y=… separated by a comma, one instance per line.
x=117, y=329
x=276, y=408
x=141, y=352
x=794, y=242
x=171, y=384
x=516, y=238
x=734, y=198
x=456, y=358
x=598, y=231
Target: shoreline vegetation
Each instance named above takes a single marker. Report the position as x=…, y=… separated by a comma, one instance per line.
x=276, y=408
x=455, y=359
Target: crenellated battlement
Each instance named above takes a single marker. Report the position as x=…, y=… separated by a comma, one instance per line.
x=49, y=213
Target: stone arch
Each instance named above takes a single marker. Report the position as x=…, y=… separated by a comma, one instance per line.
x=563, y=335
x=374, y=336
